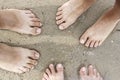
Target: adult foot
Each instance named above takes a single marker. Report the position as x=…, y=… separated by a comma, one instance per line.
x=69, y=12
x=96, y=34
x=53, y=73
x=92, y=74
x=17, y=59
x=21, y=21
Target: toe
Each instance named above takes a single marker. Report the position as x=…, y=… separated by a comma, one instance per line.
x=63, y=26
x=32, y=62
x=35, y=19
x=24, y=69
x=83, y=72
x=91, y=71
x=35, y=31
x=31, y=15
x=60, y=9
x=95, y=72
x=59, y=68
x=87, y=44
x=58, y=13
x=46, y=76
x=34, y=54
x=35, y=24
x=51, y=66
x=96, y=43
x=92, y=44
x=48, y=72
x=60, y=21
x=59, y=17
x=83, y=39
x=100, y=43
x=27, y=11
x=30, y=66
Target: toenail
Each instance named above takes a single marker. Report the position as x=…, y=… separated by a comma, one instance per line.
x=60, y=65
x=91, y=66
x=37, y=55
x=51, y=65
x=38, y=31
x=61, y=27
x=82, y=41
x=83, y=69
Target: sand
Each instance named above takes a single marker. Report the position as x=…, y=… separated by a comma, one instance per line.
x=63, y=47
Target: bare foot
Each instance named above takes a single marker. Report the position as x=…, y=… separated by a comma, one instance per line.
x=17, y=59
x=54, y=74
x=96, y=34
x=92, y=74
x=69, y=12
x=21, y=21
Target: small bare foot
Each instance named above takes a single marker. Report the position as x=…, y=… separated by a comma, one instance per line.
x=17, y=59
x=69, y=12
x=21, y=21
x=53, y=73
x=96, y=34
x=92, y=74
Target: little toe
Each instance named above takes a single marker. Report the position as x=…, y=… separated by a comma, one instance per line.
x=91, y=71
x=31, y=15
x=51, y=66
x=92, y=44
x=59, y=68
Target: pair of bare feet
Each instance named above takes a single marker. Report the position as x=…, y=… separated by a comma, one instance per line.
x=69, y=12
x=17, y=59
x=57, y=73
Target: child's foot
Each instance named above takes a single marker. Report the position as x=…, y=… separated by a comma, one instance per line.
x=92, y=74
x=17, y=59
x=22, y=21
x=69, y=12
x=96, y=34
x=53, y=73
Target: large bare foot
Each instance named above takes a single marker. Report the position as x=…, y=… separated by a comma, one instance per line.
x=17, y=59
x=53, y=73
x=92, y=74
x=96, y=34
x=22, y=21
x=69, y=12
